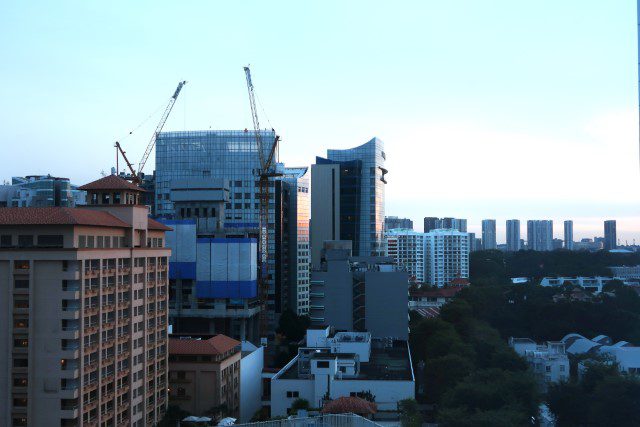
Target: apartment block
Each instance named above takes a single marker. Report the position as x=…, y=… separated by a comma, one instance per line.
x=447, y=256
x=83, y=301
x=407, y=248
x=350, y=293
x=205, y=374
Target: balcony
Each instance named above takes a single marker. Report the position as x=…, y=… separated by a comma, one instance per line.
x=123, y=354
x=162, y=296
x=71, y=351
x=151, y=282
x=91, y=272
x=90, y=328
x=69, y=411
x=107, y=361
x=121, y=390
x=124, y=286
x=125, y=422
x=91, y=346
x=151, y=298
x=122, y=372
x=151, y=268
x=108, y=324
x=123, y=338
x=91, y=366
x=107, y=395
x=91, y=309
x=162, y=267
x=109, y=271
x=90, y=385
x=124, y=270
x=70, y=333
x=108, y=288
x=90, y=404
x=69, y=391
x=91, y=290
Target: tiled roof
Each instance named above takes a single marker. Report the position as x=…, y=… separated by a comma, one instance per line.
x=155, y=225
x=351, y=404
x=213, y=346
x=58, y=216
x=111, y=182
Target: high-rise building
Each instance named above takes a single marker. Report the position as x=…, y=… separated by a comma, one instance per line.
x=475, y=244
x=83, y=306
x=41, y=191
x=393, y=222
x=540, y=235
x=610, y=238
x=432, y=223
x=568, y=235
x=298, y=199
x=347, y=202
x=406, y=247
x=513, y=235
x=446, y=256
x=232, y=156
x=359, y=293
x=489, y=234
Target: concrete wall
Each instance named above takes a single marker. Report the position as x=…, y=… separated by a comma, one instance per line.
x=338, y=295
x=387, y=293
x=251, y=367
x=325, y=207
x=279, y=400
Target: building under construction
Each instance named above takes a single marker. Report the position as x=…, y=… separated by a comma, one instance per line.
x=208, y=191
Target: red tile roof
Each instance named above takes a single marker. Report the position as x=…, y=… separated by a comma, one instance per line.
x=155, y=225
x=213, y=346
x=351, y=404
x=460, y=281
x=58, y=216
x=111, y=182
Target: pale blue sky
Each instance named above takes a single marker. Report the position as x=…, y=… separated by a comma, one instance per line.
x=488, y=109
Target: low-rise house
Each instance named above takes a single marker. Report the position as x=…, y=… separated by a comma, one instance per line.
x=432, y=297
x=591, y=284
x=204, y=374
x=548, y=361
x=343, y=364
x=626, y=355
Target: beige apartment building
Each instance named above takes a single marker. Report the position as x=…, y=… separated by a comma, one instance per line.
x=83, y=309
x=205, y=374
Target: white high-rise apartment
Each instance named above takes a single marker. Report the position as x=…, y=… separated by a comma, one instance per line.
x=489, y=234
x=447, y=256
x=513, y=235
x=568, y=235
x=407, y=247
x=540, y=235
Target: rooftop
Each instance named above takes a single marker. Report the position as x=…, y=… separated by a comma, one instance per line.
x=217, y=345
x=58, y=216
x=111, y=182
x=391, y=363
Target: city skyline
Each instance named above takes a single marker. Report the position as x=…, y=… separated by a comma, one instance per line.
x=97, y=67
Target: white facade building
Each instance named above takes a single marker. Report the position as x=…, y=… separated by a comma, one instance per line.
x=624, y=272
x=341, y=365
x=548, y=362
x=591, y=284
x=540, y=235
x=626, y=355
x=251, y=366
x=447, y=256
x=407, y=247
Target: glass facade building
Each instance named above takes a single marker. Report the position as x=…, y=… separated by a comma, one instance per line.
x=41, y=191
x=361, y=197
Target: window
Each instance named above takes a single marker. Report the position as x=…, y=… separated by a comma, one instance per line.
x=20, y=363
x=21, y=265
x=21, y=284
x=25, y=241
x=322, y=364
x=5, y=241
x=548, y=368
x=116, y=198
x=50, y=241
x=293, y=394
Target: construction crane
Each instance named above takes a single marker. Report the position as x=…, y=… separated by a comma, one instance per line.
x=265, y=171
x=135, y=176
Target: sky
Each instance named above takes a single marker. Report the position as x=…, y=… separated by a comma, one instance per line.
x=488, y=109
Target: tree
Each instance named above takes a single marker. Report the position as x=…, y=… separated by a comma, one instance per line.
x=293, y=326
x=409, y=413
x=299, y=404
x=173, y=416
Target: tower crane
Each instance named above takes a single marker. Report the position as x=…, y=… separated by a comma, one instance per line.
x=265, y=171
x=135, y=176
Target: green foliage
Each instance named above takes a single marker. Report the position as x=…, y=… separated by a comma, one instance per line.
x=300, y=404
x=173, y=416
x=603, y=397
x=293, y=326
x=409, y=413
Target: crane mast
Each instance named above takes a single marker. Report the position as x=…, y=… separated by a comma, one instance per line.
x=265, y=171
